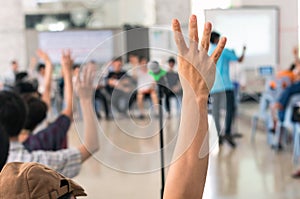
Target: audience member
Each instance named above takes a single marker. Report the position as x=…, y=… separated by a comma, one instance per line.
x=223, y=89
x=4, y=147
x=120, y=86
x=13, y=112
x=132, y=66
x=174, y=86
x=54, y=136
x=33, y=180
x=145, y=86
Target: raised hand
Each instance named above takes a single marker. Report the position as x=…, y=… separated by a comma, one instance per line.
x=197, y=73
x=66, y=61
x=196, y=68
x=43, y=55
x=84, y=82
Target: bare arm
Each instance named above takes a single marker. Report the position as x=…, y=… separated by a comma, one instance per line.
x=296, y=56
x=84, y=89
x=197, y=73
x=241, y=58
x=46, y=96
x=67, y=63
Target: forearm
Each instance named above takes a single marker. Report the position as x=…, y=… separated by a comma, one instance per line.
x=48, y=81
x=68, y=94
x=91, y=143
x=191, y=139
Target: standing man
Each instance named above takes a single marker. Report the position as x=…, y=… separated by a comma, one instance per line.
x=223, y=88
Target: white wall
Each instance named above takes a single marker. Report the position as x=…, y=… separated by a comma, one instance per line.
x=166, y=10
x=112, y=13
x=288, y=30
x=12, y=38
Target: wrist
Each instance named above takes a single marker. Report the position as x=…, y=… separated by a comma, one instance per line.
x=85, y=100
x=200, y=97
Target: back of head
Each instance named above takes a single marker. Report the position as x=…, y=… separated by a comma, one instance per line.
x=33, y=180
x=25, y=87
x=13, y=113
x=37, y=112
x=21, y=76
x=4, y=147
x=214, y=37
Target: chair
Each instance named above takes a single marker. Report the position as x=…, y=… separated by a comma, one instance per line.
x=296, y=150
x=281, y=128
x=268, y=97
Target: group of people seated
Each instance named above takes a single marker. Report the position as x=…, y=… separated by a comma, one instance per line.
x=137, y=83
x=277, y=97
x=119, y=87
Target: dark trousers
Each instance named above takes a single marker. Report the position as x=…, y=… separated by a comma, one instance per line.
x=285, y=98
x=226, y=99
x=121, y=100
x=100, y=96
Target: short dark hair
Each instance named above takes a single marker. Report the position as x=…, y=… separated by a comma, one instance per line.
x=14, y=62
x=13, y=112
x=40, y=66
x=171, y=60
x=25, y=87
x=117, y=59
x=4, y=147
x=75, y=66
x=21, y=76
x=142, y=57
x=37, y=111
x=214, y=36
x=292, y=67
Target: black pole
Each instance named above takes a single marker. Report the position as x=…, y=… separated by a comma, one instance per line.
x=160, y=96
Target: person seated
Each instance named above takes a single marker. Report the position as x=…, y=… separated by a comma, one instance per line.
x=100, y=96
x=132, y=66
x=145, y=86
x=34, y=180
x=4, y=147
x=120, y=86
x=174, y=87
x=54, y=136
x=279, y=107
x=13, y=113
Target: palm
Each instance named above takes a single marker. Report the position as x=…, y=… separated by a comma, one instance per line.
x=196, y=68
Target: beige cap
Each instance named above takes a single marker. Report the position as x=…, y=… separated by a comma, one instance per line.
x=35, y=181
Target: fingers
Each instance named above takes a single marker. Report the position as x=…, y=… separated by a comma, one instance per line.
x=90, y=75
x=206, y=36
x=193, y=32
x=84, y=74
x=218, y=51
x=181, y=45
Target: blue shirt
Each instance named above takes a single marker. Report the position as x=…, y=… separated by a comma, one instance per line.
x=222, y=80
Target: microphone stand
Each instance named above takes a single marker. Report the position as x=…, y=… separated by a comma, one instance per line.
x=161, y=138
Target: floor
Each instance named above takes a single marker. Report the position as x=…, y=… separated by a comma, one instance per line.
x=252, y=170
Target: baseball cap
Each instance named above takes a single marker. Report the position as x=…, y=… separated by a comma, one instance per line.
x=35, y=181
x=154, y=67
